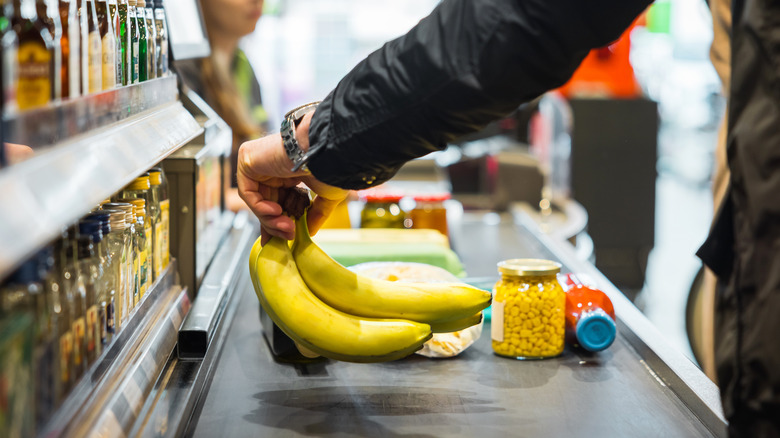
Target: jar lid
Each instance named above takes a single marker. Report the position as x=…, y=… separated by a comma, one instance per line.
x=432, y=197
x=377, y=196
x=140, y=183
x=528, y=267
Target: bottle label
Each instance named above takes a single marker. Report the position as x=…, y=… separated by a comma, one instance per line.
x=34, y=84
x=109, y=61
x=66, y=351
x=79, y=330
x=92, y=329
x=95, y=53
x=497, y=321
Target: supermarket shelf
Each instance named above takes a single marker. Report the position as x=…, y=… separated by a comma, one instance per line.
x=59, y=184
x=47, y=126
x=128, y=367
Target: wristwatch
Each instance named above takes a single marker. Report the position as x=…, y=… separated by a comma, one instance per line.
x=291, y=120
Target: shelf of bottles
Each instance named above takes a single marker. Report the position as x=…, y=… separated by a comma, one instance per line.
x=88, y=103
x=89, y=111
x=67, y=311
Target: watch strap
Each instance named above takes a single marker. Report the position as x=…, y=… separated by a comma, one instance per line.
x=290, y=143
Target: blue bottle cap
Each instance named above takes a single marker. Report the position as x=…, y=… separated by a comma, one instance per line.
x=595, y=330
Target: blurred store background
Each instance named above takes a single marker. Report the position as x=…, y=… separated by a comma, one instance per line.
x=661, y=222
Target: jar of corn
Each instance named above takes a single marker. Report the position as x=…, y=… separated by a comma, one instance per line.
x=528, y=319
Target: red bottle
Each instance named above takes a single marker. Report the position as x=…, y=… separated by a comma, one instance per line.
x=590, y=316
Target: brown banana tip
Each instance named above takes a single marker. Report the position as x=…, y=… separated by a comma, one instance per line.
x=294, y=201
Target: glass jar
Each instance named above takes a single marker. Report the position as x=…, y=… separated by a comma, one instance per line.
x=528, y=320
x=381, y=210
x=429, y=212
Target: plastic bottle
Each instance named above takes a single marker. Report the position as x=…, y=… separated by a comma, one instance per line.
x=590, y=316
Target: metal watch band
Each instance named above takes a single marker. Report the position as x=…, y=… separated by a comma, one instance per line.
x=291, y=146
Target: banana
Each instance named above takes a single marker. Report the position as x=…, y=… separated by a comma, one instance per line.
x=320, y=328
x=458, y=324
x=431, y=303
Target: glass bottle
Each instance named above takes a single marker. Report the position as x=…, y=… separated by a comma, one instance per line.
x=45, y=351
x=141, y=260
x=70, y=46
x=63, y=316
x=145, y=228
x=75, y=298
x=155, y=213
x=528, y=310
x=34, y=84
x=134, y=41
x=94, y=51
x=106, y=278
x=49, y=13
x=89, y=271
x=165, y=216
x=143, y=39
x=140, y=188
x=161, y=44
x=113, y=12
x=127, y=285
x=17, y=330
x=151, y=37
x=9, y=44
x=116, y=246
x=107, y=44
x=124, y=41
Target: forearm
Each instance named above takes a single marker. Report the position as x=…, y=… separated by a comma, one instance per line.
x=468, y=63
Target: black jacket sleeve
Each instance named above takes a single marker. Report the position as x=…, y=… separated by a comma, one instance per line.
x=468, y=63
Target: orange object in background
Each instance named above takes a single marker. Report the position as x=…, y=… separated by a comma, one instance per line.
x=605, y=72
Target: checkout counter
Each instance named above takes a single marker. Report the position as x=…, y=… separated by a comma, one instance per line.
x=639, y=386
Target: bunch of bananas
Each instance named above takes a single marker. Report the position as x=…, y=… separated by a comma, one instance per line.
x=334, y=312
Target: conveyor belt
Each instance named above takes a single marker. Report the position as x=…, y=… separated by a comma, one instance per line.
x=625, y=391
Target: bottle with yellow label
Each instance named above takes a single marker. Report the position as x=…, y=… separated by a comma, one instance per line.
x=165, y=217
x=35, y=56
x=528, y=310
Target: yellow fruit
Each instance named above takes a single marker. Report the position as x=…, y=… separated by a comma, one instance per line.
x=320, y=328
x=343, y=289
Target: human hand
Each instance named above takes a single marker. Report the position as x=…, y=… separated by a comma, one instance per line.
x=263, y=174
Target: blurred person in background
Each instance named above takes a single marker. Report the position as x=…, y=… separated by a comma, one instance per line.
x=226, y=80
x=472, y=61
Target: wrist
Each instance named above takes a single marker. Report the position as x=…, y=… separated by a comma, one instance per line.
x=295, y=135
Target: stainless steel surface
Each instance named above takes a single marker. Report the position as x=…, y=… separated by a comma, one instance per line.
x=198, y=329
x=41, y=196
x=176, y=394
x=635, y=388
x=194, y=175
x=150, y=330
